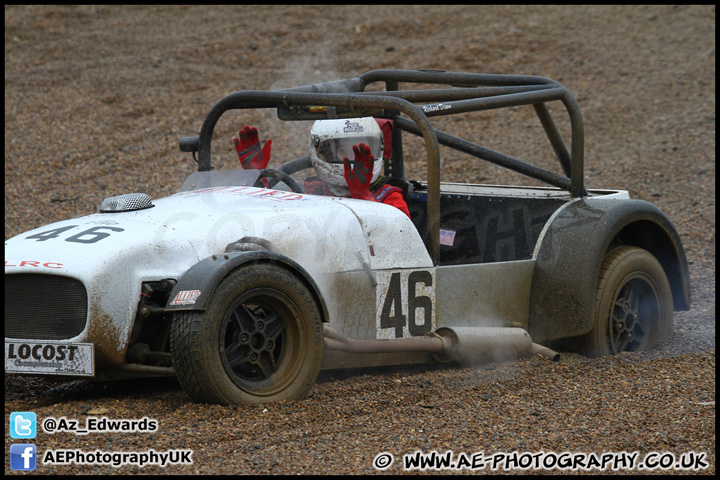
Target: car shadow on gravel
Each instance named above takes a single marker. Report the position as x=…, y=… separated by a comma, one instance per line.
x=332, y=375
x=48, y=391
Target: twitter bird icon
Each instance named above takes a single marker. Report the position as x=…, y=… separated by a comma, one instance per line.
x=23, y=425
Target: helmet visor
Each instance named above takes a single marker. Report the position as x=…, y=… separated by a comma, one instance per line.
x=334, y=150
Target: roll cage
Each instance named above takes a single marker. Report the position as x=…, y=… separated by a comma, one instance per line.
x=470, y=92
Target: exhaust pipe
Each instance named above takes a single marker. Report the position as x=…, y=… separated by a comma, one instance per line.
x=428, y=343
x=484, y=344
x=447, y=344
x=545, y=352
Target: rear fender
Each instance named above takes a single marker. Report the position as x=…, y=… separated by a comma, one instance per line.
x=571, y=250
x=195, y=288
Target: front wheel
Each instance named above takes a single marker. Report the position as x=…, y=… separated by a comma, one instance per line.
x=633, y=304
x=259, y=340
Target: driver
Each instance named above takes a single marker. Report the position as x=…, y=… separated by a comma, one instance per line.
x=331, y=143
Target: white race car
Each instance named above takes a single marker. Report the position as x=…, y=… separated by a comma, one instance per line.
x=245, y=292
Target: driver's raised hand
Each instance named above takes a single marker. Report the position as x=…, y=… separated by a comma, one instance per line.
x=358, y=178
x=248, y=149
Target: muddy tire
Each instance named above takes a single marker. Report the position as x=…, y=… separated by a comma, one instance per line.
x=633, y=304
x=259, y=340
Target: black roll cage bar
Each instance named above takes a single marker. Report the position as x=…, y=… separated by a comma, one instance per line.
x=473, y=92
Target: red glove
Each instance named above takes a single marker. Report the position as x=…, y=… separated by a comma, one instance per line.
x=247, y=146
x=358, y=179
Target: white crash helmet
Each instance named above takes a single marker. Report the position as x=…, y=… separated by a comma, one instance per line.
x=332, y=140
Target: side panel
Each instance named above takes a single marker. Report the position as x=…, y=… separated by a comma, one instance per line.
x=486, y=295
x=405, y=302
x=475, y=228
x=350, y=298
x=571, y=250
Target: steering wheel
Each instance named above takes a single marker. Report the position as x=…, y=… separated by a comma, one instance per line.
x=279, y=177
x=296, y=165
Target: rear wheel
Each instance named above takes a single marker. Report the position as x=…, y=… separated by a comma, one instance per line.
x=633, y=304
x=259, y=340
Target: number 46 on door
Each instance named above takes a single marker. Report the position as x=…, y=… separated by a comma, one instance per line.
x=405, y=303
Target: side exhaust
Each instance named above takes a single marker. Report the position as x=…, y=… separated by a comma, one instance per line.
x=545, y=352
x=447, y=344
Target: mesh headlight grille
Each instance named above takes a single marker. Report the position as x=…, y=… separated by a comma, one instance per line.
x=44, y=307
x=126, y=203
